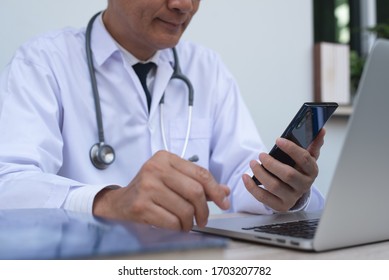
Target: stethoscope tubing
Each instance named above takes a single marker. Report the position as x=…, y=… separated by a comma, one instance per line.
x=102, y=154
x=91, y=68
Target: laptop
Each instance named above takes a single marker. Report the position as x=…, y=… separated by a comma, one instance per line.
x=357, y=205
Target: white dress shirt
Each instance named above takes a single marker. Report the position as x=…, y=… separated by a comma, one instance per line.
x=48, y=121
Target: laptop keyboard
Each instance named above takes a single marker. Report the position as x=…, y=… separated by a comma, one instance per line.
x=301, y=229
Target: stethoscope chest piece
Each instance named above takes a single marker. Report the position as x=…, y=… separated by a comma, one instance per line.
x=102, y=155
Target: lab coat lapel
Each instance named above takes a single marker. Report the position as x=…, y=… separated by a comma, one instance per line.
x=162, y=78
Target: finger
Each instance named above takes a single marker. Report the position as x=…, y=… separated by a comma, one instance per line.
x=274, y=183
x=225, y=189
x=191, y=190
x=153, y=194
x=138, y=204
x=286, y=181
x=168, y=168
x=263, y=195
x=259, y=171
x=180, y=208
x=213, y=191
x=305, y=162
x=180, y=176
x=314, y=148
x=160, y=217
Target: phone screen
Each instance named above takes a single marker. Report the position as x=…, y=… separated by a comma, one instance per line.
x=303, y=128
x=308, y=123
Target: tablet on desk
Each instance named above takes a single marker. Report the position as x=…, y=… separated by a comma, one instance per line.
x=58, y=234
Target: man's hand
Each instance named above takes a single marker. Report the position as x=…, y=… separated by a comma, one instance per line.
x=167, y=192
x=287, y=184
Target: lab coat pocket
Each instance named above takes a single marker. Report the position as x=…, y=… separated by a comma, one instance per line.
x=199, y=139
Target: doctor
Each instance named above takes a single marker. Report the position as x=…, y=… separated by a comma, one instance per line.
x=48, y=125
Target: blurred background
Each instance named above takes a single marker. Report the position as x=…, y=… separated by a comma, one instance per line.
x=267, y=45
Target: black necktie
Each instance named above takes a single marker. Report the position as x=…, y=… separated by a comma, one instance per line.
x=142, y=69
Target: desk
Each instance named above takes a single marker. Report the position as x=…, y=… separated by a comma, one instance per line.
x=241, y=250
x=237, y=250
x=58, y=234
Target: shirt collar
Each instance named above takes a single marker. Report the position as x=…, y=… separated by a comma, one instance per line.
x=107, y=46
x=132, y=60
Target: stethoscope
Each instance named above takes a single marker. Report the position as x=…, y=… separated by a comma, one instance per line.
x=102, y=154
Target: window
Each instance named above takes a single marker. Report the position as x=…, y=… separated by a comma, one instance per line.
x=338, y=21
x=348, y=22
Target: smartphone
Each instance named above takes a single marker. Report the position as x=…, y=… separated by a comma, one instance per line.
x=303, y=128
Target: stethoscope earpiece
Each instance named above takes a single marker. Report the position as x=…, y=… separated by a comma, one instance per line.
x=102, y=155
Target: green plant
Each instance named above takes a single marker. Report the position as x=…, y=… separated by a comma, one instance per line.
x=381, y=30
x=356, y=68
x=357, y=62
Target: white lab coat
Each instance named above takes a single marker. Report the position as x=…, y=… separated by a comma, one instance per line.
x=48, y=121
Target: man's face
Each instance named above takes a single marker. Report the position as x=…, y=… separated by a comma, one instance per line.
x=145, y=26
